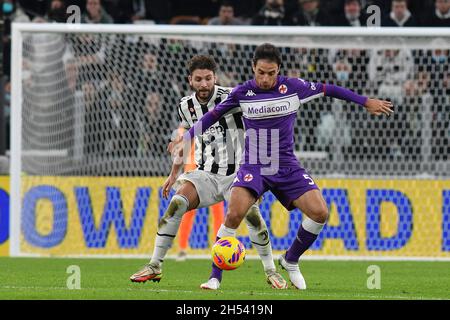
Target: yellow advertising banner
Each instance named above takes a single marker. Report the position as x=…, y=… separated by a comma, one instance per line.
x=105, y=215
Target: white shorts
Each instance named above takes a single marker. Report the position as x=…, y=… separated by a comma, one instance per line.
x=211, y=188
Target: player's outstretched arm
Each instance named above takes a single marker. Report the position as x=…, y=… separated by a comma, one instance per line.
x=374, y=106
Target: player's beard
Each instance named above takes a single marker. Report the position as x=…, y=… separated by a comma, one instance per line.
x=204, y=95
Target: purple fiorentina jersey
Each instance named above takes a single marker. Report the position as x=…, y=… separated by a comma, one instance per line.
x=268, y=113
x=269, y=116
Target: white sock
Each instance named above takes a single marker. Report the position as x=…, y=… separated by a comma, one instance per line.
x=226, y=232
x=168, y=228
x=259, y=236
x=311, y=226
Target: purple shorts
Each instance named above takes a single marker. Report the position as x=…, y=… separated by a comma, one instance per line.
x=287, y=184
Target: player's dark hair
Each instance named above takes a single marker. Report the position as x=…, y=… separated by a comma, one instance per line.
x=267, y=51
x=202, y=62
x=226, y=4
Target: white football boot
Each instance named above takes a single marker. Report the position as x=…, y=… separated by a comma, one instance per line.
x=212, y=284
x=148, y=272
x=276, y=280
x=294, y=273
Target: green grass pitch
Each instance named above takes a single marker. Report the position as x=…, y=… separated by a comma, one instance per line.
x=108, y=279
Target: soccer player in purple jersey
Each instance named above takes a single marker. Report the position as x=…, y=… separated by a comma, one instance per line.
x=269, y=104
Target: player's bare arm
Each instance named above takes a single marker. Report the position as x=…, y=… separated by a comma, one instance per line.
x=176, y=167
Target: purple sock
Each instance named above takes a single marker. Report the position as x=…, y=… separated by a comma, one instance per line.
x=301, y=243
x=216, y=272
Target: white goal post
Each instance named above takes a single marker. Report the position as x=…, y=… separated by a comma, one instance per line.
x=93, y=107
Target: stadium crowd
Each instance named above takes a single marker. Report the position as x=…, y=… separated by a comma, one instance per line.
x=409, y=77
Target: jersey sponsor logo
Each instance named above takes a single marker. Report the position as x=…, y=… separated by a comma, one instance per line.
x=215, y=130
x=270, y=107
x=250, y=93
x=218, y=132
x=282, y=89
x=248, y=177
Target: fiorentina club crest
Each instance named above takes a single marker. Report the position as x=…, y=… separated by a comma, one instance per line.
x=282, y=89
x=248, y=177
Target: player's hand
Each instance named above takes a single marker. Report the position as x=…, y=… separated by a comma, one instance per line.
x=172, y=144
x=377, y=107
x=167, y=186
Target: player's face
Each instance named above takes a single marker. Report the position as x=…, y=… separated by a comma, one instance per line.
x=266, y=73
x=202, y=82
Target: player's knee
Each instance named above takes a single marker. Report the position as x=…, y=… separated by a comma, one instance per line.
x=233, y=219
x=177, y=208
x=321, y=214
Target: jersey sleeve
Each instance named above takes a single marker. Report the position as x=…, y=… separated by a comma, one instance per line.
x=214, y=115
x=182, y=118
x=308, y=91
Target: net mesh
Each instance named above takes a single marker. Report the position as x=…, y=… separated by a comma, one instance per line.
x=104, y=105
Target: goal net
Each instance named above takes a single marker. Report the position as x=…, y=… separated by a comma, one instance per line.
x=94, y=107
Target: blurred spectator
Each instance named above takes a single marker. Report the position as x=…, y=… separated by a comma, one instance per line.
x=353, y=15
x=134, y=11
x=440, y=16
x=121, y=119
x=11, y=13
x=91, y=104
x=342, y=70
x=95, y=13
x=57, y=11
x=152, y=119
x=350, y=68
x=436, y=65
x=310, y=14
x=35, y=8
x=247, y=9
x=399, y=16
x=271, y=14
x=388, y=70
x=226, y=16
x=89, y=52
x=200, y=8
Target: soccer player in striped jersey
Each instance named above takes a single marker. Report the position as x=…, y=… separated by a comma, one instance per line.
x=269, y=104
x=217, y=155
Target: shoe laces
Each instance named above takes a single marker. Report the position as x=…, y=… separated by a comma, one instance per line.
x=152, y=267
x=276, y=275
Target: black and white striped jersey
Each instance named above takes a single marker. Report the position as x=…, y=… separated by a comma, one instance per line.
x=219, y=149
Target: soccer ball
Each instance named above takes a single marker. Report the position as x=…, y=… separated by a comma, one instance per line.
x=228, y=253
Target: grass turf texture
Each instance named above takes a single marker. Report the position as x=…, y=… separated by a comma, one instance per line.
x=45, y=278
